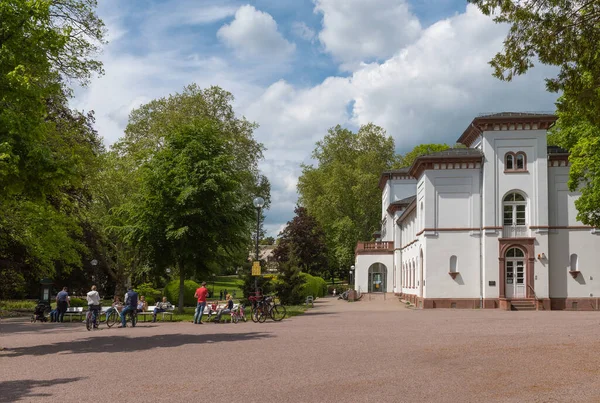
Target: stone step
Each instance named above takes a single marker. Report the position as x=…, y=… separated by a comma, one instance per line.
x=523, y=305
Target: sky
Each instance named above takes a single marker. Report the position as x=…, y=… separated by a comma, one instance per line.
x=417, y=68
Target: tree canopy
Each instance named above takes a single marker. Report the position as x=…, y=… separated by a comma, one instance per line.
x=566, y=34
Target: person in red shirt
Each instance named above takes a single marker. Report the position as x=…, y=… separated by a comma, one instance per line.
x=201, y=294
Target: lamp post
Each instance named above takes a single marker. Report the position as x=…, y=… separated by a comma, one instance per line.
x=213, y=290
x=259, y=202
x=351, y=271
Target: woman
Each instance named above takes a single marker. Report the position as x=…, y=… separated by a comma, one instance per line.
x=227, y=309
x=142, y=304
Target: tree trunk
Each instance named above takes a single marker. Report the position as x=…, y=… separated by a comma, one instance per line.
x=181, y=287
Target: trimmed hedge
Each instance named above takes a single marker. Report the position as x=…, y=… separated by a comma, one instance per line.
x=315, y=286
x=189, y=288
x=78, y=302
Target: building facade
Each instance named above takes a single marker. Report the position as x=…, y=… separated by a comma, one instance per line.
x=492, y=225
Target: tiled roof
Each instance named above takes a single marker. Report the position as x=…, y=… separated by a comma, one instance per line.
x=454, y=152
x=406, y=200
x=556, y=150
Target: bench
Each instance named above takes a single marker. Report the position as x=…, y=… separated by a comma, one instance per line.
x=310, y=300
x=75, y=311
x=210, y=312
x=150, y=311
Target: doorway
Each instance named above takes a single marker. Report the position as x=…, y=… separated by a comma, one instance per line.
x=516, y=285
x=377, y=278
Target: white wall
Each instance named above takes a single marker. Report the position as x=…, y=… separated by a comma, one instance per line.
x=362, y=264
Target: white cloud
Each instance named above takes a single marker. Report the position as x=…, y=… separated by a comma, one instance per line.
x=301, y=30
x=358, y=30
x=253, y=34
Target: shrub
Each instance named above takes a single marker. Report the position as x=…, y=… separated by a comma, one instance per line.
x=315, y=286
x=189, y=288
x=248, y=285
x=151, y=294
x=290, y=285
x=77, y=302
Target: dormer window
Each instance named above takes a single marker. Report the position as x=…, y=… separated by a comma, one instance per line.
x=515, y=162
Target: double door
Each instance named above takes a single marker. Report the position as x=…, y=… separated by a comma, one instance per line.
x=515, y=278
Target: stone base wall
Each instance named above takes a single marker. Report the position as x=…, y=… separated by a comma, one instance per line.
x=575, y=304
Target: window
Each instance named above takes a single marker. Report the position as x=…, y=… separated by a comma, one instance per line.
x=514, y=209
x=515, y=162
x=422, y=217
x=515, y=252
x=573, y=264
x=510, y=162
x=453, y=261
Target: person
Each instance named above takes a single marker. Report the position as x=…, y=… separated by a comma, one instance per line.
x=227, y=309
x=201, y=293
x=93, y=300
x=62, y=303
x=220, y=294
x=117, y=305
x=334, y=292
x=131, y=302
x=54, y=315
x=142, y=304
x=161, y=307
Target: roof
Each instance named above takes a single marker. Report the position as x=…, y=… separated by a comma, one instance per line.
x=557, y=150
x=453, y=153
x=520, y=121
x=399, y=204
x=402, y=173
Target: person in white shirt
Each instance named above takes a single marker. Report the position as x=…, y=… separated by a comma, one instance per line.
x=93, y=300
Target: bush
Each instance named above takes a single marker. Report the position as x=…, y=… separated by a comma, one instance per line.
x=290, y=285
x=77, y=302
x=248, y=285
x=315, y=286
x=151, y=294
x=189, y=288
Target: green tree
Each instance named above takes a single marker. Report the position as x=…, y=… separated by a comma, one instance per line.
x=289, y=287
x=407, y=159
x=191, y=201
x=303, y=242
x=341, y=192
x=566, y=34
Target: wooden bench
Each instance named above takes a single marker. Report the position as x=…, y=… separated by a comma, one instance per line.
x=213, y=312
x=75, y=311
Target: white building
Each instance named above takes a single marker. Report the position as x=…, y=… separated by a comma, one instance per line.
x=492, y=225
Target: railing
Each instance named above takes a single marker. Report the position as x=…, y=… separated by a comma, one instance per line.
x=515, y=231
x=535, y=299
x=366, y=247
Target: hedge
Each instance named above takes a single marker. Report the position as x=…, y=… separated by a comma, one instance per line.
x=152, y=295
x=315, y=286
x=189, y=288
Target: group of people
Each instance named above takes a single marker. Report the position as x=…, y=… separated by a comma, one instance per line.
x=132, y=304
x=201, y=294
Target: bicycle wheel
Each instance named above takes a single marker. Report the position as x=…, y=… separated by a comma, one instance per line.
x=278, y=312
x=88, y=321
x=254, y=315
x=262, y=315
x=112, y=319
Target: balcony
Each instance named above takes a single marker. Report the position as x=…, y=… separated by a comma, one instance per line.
x=515, y=231
x=365, y=248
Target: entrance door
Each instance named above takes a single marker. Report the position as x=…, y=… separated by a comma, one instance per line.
x=377, y=278
x=515, y=274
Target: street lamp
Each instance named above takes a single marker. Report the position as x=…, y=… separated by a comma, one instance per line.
x=259, y=202
x=213, y=290
x=351, y=270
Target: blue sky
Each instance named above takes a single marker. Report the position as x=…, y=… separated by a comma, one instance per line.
x=418, y=68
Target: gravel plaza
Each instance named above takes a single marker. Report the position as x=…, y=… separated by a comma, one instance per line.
x=367, y=351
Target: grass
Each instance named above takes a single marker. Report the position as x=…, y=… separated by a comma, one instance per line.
x=229, y=283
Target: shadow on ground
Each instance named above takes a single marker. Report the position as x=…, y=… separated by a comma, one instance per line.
x=119, y=344
x=11, y=391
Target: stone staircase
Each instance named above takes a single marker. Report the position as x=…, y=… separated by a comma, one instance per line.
x=523, y=304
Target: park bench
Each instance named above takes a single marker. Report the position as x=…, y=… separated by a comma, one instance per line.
x=310, y=300
x=75, y=311
x=213, y=312
x=150, y=311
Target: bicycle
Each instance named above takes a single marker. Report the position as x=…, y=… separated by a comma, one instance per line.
x=238, y=314
x=89, y=323
x=113, y=317
x=264, y=307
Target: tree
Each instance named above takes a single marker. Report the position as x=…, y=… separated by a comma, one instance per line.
x=191, y=202
x=566, y=34
x=268, y=241
x=341, y=192
x=303, y=242
x=407, y=159
x=289, y=284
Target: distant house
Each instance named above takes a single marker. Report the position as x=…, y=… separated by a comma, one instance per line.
x=492, y=225
x=265, y=253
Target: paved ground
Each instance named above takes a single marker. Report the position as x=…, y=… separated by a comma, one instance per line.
x=375, y=351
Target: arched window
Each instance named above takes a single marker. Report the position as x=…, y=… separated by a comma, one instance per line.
x=514, y=209
x=509, y=162
x=520, y=163
x=515, y=252
x=453, y=261
x=414, y=275
x=574, y=263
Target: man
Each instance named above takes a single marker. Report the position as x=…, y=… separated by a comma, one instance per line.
x=93, y=300
x=62, y=303
x=201, y=293
x=161, y=307
x=131, y=300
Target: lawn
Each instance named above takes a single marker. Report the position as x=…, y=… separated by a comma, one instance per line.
x=230, y=284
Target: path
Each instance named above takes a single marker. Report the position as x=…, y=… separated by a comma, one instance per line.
x=377, y=351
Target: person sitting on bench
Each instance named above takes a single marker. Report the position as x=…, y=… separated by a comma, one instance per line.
x=161, y=307
x=227, y=308
x=142, y=304
x=117, y=305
